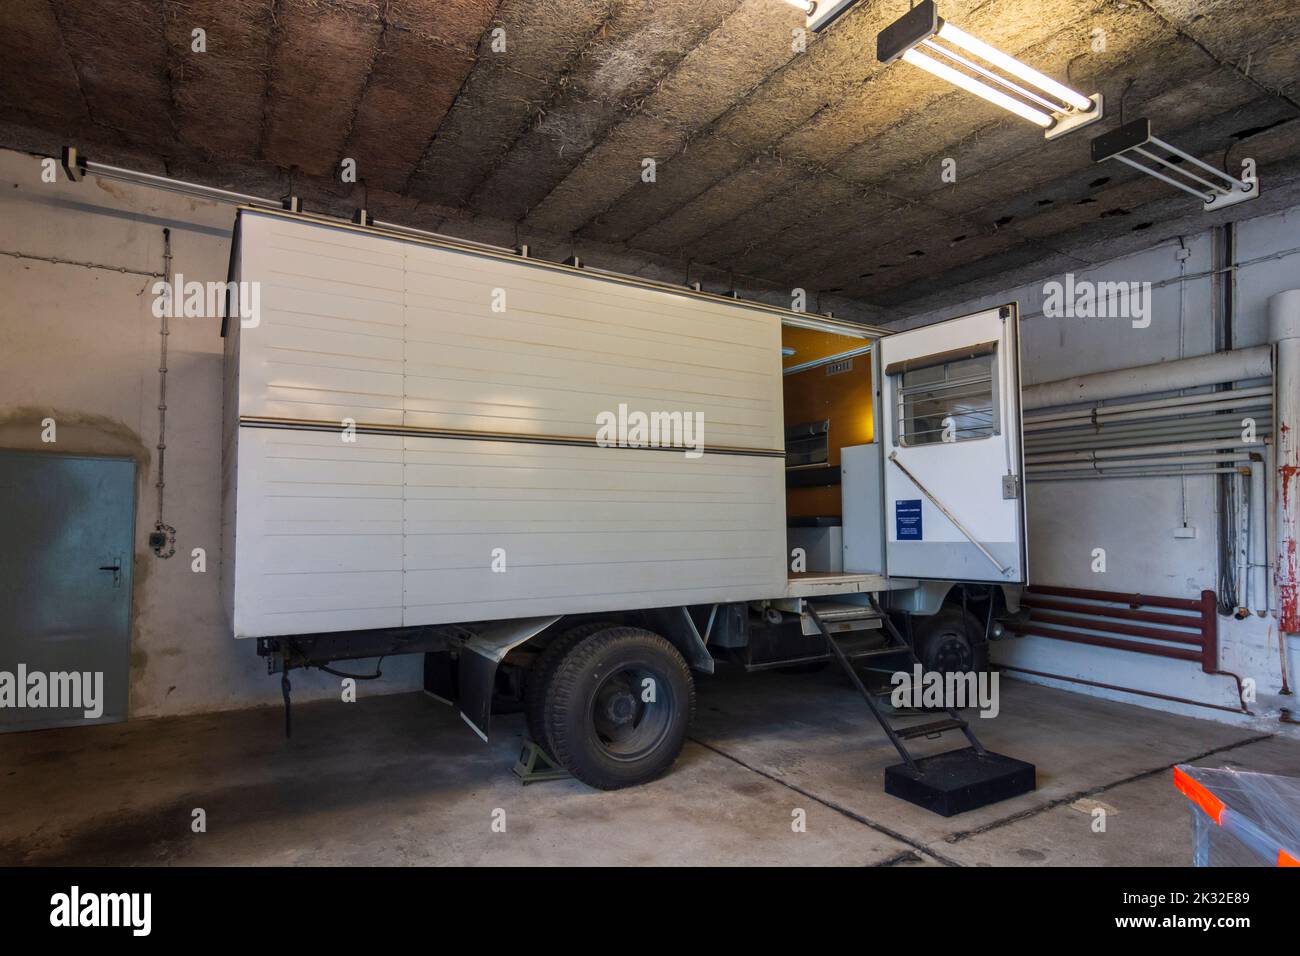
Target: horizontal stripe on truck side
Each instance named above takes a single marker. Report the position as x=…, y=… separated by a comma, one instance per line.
x=253, y=421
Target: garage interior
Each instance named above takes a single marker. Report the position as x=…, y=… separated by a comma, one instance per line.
x=714, y=144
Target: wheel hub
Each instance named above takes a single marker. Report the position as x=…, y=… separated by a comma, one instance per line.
x=627, y=726
x=953, y=656
x=619, y=708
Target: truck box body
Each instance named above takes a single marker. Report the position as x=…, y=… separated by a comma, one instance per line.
x=475, y=431
x=422, y=432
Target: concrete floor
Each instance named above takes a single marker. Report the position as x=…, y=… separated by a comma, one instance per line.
x=401, y=780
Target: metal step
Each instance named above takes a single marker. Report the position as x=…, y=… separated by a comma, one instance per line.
x=880, y=652
x=935, y=728
x=852, y=645
x=835, y=611
x=947, y=783
x=857, y=643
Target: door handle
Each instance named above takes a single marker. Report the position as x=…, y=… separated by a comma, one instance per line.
x=116, y=568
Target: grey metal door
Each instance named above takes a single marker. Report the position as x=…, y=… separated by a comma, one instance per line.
x=67, y=527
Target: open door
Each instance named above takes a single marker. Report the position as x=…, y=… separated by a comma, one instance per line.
x=954, y=496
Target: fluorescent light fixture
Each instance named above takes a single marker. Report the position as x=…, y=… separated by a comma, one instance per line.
x=972, y=85
x=808, y=7
x=1179, y=169
x=1013, y=66
x=825, y=12
x=921, y=35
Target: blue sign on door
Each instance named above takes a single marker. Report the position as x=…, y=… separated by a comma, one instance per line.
x=907, y=520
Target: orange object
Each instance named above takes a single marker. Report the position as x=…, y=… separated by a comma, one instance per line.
x=1197, y=793
x=845, y=399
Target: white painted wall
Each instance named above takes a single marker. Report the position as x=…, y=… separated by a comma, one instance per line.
x=1134, y=520
x=81, y=345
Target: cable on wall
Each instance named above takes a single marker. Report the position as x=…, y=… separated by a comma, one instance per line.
x=163, y=538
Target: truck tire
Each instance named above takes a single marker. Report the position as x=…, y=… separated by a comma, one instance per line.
x=539, y=678
x=947, y=642
x=601, y=727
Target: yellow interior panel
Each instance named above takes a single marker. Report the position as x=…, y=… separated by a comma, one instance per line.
x=808, y=345
x=844, y=399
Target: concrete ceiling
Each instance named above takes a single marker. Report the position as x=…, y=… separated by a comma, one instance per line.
x=774, y=168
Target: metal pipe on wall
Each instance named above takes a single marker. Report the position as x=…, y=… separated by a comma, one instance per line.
x=1240, y=486
x=1234, y=366
x=1258, y=538
x=1097, y=418
x=1284, y=333
x=1169, y=461
x=1222, y=443
x=1204, y=401
x=1160, y=472
x=1174, y=431
x=1138, y=451
x=1270, y=508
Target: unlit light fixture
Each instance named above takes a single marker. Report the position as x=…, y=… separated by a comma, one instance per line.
x=924, y=39
x=1135, y=139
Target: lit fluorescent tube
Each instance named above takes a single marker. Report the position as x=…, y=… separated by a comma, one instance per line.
x=1013, y=66
x=807, y=7
x=972, y=85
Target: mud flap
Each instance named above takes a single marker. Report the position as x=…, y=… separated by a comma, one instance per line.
x=479, y=658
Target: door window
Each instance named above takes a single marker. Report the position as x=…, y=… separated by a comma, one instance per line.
x=949, y=401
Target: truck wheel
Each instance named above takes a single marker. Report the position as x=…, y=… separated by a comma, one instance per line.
x=603, y=728
x=946, y=642
x=540, y=674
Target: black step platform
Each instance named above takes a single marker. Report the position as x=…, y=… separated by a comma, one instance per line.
x=960, y=780
x=946, y=783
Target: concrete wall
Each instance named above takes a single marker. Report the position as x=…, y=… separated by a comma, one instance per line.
x=80, y=345
x=1134, y=520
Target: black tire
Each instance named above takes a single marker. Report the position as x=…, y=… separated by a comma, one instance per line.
x=948, y=642
x=539, y=678
x=602, y=730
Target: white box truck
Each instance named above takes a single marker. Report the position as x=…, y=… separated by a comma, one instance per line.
x=574, y=488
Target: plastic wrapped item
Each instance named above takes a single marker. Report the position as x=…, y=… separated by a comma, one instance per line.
x=1241, y=819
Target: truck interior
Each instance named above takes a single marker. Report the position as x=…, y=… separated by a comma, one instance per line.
x=829, y=407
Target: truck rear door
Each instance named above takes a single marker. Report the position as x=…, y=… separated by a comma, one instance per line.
x=954, y=496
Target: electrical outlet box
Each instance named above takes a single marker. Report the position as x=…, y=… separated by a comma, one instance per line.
x=1185, y=531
